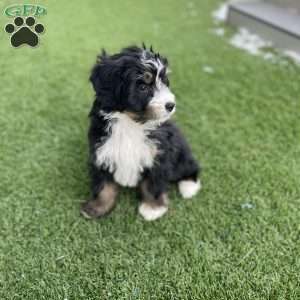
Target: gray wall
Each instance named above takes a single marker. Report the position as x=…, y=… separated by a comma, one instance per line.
x=287, y=3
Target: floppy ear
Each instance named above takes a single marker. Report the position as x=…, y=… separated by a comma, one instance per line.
x=96, y=75
x=95, y=78
x=107, y=81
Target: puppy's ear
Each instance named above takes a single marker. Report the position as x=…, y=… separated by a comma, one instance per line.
x=106, y=77
x=95, y=77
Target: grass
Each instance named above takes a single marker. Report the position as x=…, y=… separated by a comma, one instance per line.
x=239, y=239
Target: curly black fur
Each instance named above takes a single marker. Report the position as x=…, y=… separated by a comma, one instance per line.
x=124, y=92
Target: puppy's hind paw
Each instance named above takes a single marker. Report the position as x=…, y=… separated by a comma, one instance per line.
x=189, y=188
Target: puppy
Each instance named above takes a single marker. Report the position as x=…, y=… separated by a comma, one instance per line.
x=132, y=142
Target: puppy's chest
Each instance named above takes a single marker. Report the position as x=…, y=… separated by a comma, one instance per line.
x=127, y=151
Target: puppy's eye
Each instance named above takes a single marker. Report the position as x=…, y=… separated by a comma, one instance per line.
x=148, y=77
x=143, y=87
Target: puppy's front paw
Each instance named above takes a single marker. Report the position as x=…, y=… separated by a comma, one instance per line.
x=152, y=212
x=189, y=188
x=93, y=209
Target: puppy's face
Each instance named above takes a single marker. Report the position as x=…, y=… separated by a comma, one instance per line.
x=134, y=81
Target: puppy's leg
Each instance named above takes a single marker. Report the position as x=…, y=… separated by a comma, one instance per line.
x=104, y=193
x=189, y=184
x=154, y=202
x=103, y=203
x=188, y=188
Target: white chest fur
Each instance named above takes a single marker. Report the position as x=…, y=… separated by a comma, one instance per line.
x=128, y=150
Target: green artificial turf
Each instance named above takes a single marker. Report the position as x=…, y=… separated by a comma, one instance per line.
x=237, y=239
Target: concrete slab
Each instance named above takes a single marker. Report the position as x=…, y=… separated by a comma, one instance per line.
x=290, y=4
x=272, y=22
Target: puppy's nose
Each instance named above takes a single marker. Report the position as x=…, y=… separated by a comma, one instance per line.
x=170, y=106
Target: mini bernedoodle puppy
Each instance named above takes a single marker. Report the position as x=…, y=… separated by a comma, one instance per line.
x=132, y=142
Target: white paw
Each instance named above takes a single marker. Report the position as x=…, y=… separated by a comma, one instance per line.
x=151, y=213
x=189, y=188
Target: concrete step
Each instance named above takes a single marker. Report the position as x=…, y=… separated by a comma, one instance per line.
x=290, y=4
x=272, y=22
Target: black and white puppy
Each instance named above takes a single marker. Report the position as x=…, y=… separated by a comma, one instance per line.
x=132, y=143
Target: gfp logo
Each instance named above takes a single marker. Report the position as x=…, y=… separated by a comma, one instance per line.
x=25, y=30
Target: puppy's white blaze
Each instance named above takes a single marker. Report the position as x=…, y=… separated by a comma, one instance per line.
x=150, y=213
x=161, y=97
x=160, y=66
x=156, y=63
x=127, y=150
x=189, y=188
x=162, y=94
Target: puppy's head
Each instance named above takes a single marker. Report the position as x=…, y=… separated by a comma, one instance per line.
x=134, y=81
